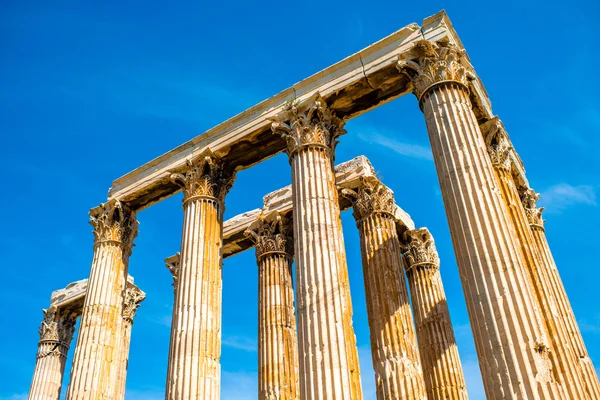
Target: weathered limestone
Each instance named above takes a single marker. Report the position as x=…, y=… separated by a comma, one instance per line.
x=561, y=352
x=97, y=352
x=277, y=345
x=133, y=298
x=444, y=378
x=562, y=311
x=398, y=373
x=172, y=264
x=56, y=333
x=510, y=340
x=194, y=366
x=328, y=354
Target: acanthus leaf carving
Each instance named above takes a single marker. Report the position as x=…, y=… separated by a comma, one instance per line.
x=114, y=222
x=173, y=267
x=419, y=249
x=310, y=123
x=529, y=200
x=429, y=63
x=498, y=144
x=204, y=176
x=132, y=300
x=57, y=326
x=371, y=197
x=271, y=235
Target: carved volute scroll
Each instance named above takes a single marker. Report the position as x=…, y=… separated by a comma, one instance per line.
x=272, y=234
x=371, y=197
x=429, y=64
x=311, y=123
x=132, y=300
x=57, y=326
x=419, y=249
x=498, y=144
x=529, y=200
x=204, y=176
x=114, y=222
x=173, y=267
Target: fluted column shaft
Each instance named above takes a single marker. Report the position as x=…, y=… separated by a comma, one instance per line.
x=277, y=344
x=509, y=338
x=444, y=377
x=562, y=310
x=329, y=367
x=194, y=366
x=398, y=373
x=56, y=333
x=96, y=356
x=173, y=267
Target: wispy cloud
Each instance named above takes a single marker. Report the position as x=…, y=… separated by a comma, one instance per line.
x=239, y=385
x=240, y=342
x=559, y=197
x=20, y=396
x=592, y=326
x=149, y=394
x=403, y=148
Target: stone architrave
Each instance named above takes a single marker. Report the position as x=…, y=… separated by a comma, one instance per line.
x=194, y=366
x=133, y=298
x=562, y=354
x=277, y=345
x=398, y=373
x=562, y=311
x=510, y=340
x=96, y=356
x=444, y=377
x=56, y=333
x=328, y=354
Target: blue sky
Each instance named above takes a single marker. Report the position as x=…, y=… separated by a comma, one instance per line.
x=91, y=90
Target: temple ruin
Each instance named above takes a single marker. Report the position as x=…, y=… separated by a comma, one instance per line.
x=527, y=339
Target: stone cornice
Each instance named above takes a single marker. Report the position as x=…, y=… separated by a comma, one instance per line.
x=371, y=197
x=272, y=233
x=114, y=222
x=419, y=249
x=204, y=176
x=311, y=123
x=132, y=300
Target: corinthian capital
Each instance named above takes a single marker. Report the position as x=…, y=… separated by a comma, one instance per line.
x=371, y=197
x=419, y=249
x=271, y=233
x=498, y=143
x=172, y=264
x=429, y=63
x=308, y=124
x=114, y=222
x=529, y=200
x=204, y=176
x=133, y=298
x=57, y=326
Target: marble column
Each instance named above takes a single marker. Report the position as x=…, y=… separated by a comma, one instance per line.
x=194, y=366
x=328, y=354
x=277, y=344
x=398, y=373
x=561, y=352
x=444, y=377
x=133, y=299
x=172, y=264
x=510, y=340
x=56, y=333
x=96, y=354
x=562, y=311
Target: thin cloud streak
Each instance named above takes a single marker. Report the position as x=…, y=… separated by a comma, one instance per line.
x=240, y=342
x=406, y=149
x=559, y=197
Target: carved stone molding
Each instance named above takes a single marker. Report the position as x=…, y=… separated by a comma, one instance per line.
x=131, y=302
x=429, y=64
x=272, y=234
x=529, y=200
x=311, y=123
x=498, y=144
x=114, y=222
x=204, y=176
x=172, y=264
x=371, y=197
x=419, y=249
x=57, y=326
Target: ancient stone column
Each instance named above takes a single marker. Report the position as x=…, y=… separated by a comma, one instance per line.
x=562, y=310
x=194, y=366
x=510, y=340
x=561, y=350
x=277, y=345
x=133, y=298
x=328, y=354
x=96, y=354
x=444, y=378
x=398, y=373
x=172, y=264
x=56, y=333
